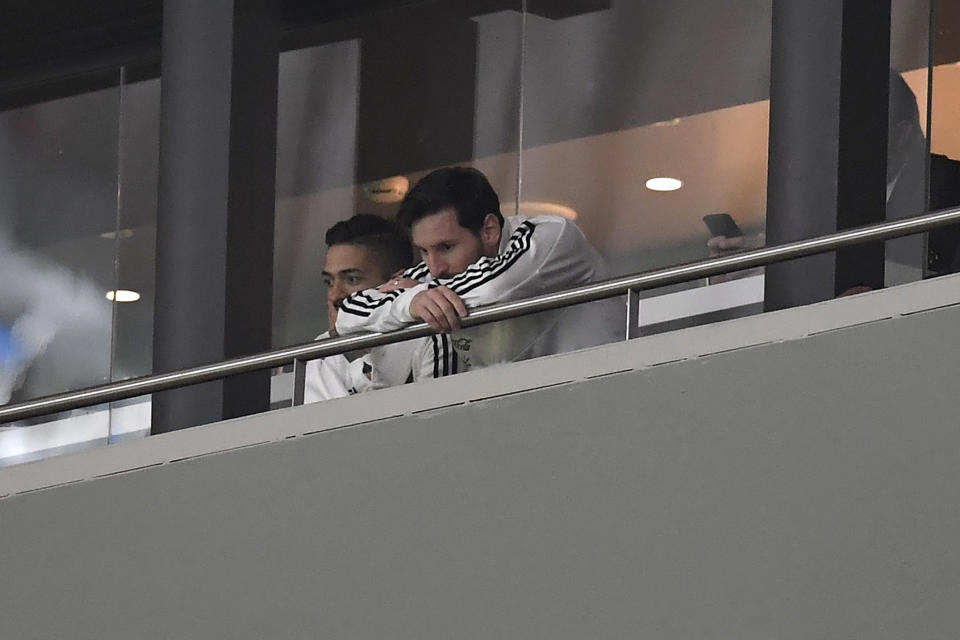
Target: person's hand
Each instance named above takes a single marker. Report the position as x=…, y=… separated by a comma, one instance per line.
x=331, y=318
x=722, y=245
x=440, y=308
x=396, y=284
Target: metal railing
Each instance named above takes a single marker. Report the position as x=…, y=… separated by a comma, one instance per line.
x=300, y=354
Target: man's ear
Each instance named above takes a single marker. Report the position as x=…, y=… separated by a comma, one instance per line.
x=490, y=235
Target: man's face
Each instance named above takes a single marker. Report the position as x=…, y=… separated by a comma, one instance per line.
x=447, y=248
x=349, y=268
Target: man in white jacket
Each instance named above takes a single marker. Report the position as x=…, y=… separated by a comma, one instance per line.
x=363, y=252
x=473, y=257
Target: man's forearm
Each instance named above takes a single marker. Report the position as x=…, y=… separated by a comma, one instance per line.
x=373, y=310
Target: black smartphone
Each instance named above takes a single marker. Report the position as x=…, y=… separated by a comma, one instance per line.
x=721, y=224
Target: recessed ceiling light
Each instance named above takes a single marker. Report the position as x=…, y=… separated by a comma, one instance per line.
x=664, y=184
x=123, y=295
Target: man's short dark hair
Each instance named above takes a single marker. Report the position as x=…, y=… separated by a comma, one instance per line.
x=463, y=189
x=903, y=102
x=389, y=245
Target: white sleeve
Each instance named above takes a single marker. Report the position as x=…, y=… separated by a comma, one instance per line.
x=545, y=254
x=413, y=360
x=325, y=380
x=541, y=257
x=373, y=310
x=435, y=357
x=336, y=377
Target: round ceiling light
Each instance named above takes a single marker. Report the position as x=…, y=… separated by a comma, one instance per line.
x=123, y=295
x=664, y=184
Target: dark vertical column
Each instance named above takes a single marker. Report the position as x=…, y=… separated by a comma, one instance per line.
x=862, y=162
x=216, y=202
x=251, y=200
x=802, y=165
x=417, y=94
x=827, y=96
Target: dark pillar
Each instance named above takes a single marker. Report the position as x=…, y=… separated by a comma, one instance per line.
x=862, y=162
x=216, y=203
x=827, y=164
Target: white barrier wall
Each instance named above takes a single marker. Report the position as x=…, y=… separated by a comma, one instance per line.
x=792, y=490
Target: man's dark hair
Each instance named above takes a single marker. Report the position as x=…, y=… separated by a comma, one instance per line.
x=388, y=244
x=463, y=189
x=903, y=103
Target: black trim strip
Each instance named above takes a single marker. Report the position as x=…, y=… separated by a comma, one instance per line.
x=446, y=354
x=517, y=242
x=362, y=299
x=362, y=304
x=508, y=260
x=359, y=302
x=417, y=272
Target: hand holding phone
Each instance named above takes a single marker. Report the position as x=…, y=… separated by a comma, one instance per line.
x=722, y=224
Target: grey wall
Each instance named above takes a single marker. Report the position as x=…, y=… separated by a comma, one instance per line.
x=806, y=489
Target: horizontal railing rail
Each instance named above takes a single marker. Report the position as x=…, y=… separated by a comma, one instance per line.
x=484, y=315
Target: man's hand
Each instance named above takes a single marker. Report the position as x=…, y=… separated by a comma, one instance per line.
x=397, y=283
x=722, y=245
x=440, y=308
x=332, y=318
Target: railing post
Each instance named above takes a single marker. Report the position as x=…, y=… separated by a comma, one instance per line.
x=633, y=314
x=299, y=382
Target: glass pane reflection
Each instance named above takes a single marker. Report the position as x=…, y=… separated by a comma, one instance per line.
x=944, y=136
x=58, y=221
x=629, y=93
x=58, y=204
x=363, y=117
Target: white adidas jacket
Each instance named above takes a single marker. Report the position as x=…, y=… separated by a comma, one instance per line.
x=339, y=376
x=537, y=255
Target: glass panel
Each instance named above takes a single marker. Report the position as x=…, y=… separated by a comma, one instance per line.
x=135, y=246
x=316, y=175
x=907, y=150
x=58, y=212
x=621, y=93
x=944, y=127
x=365, y=114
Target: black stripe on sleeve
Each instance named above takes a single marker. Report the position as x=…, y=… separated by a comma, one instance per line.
x=417, y=272
x=355, y=312
x=502, y=265
x=446, y=354
x=365, y=300
x=484, y=265
x=486, y=271
x=517, y=242
x=462, y=291
x=361, y=303
x=436, y=357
